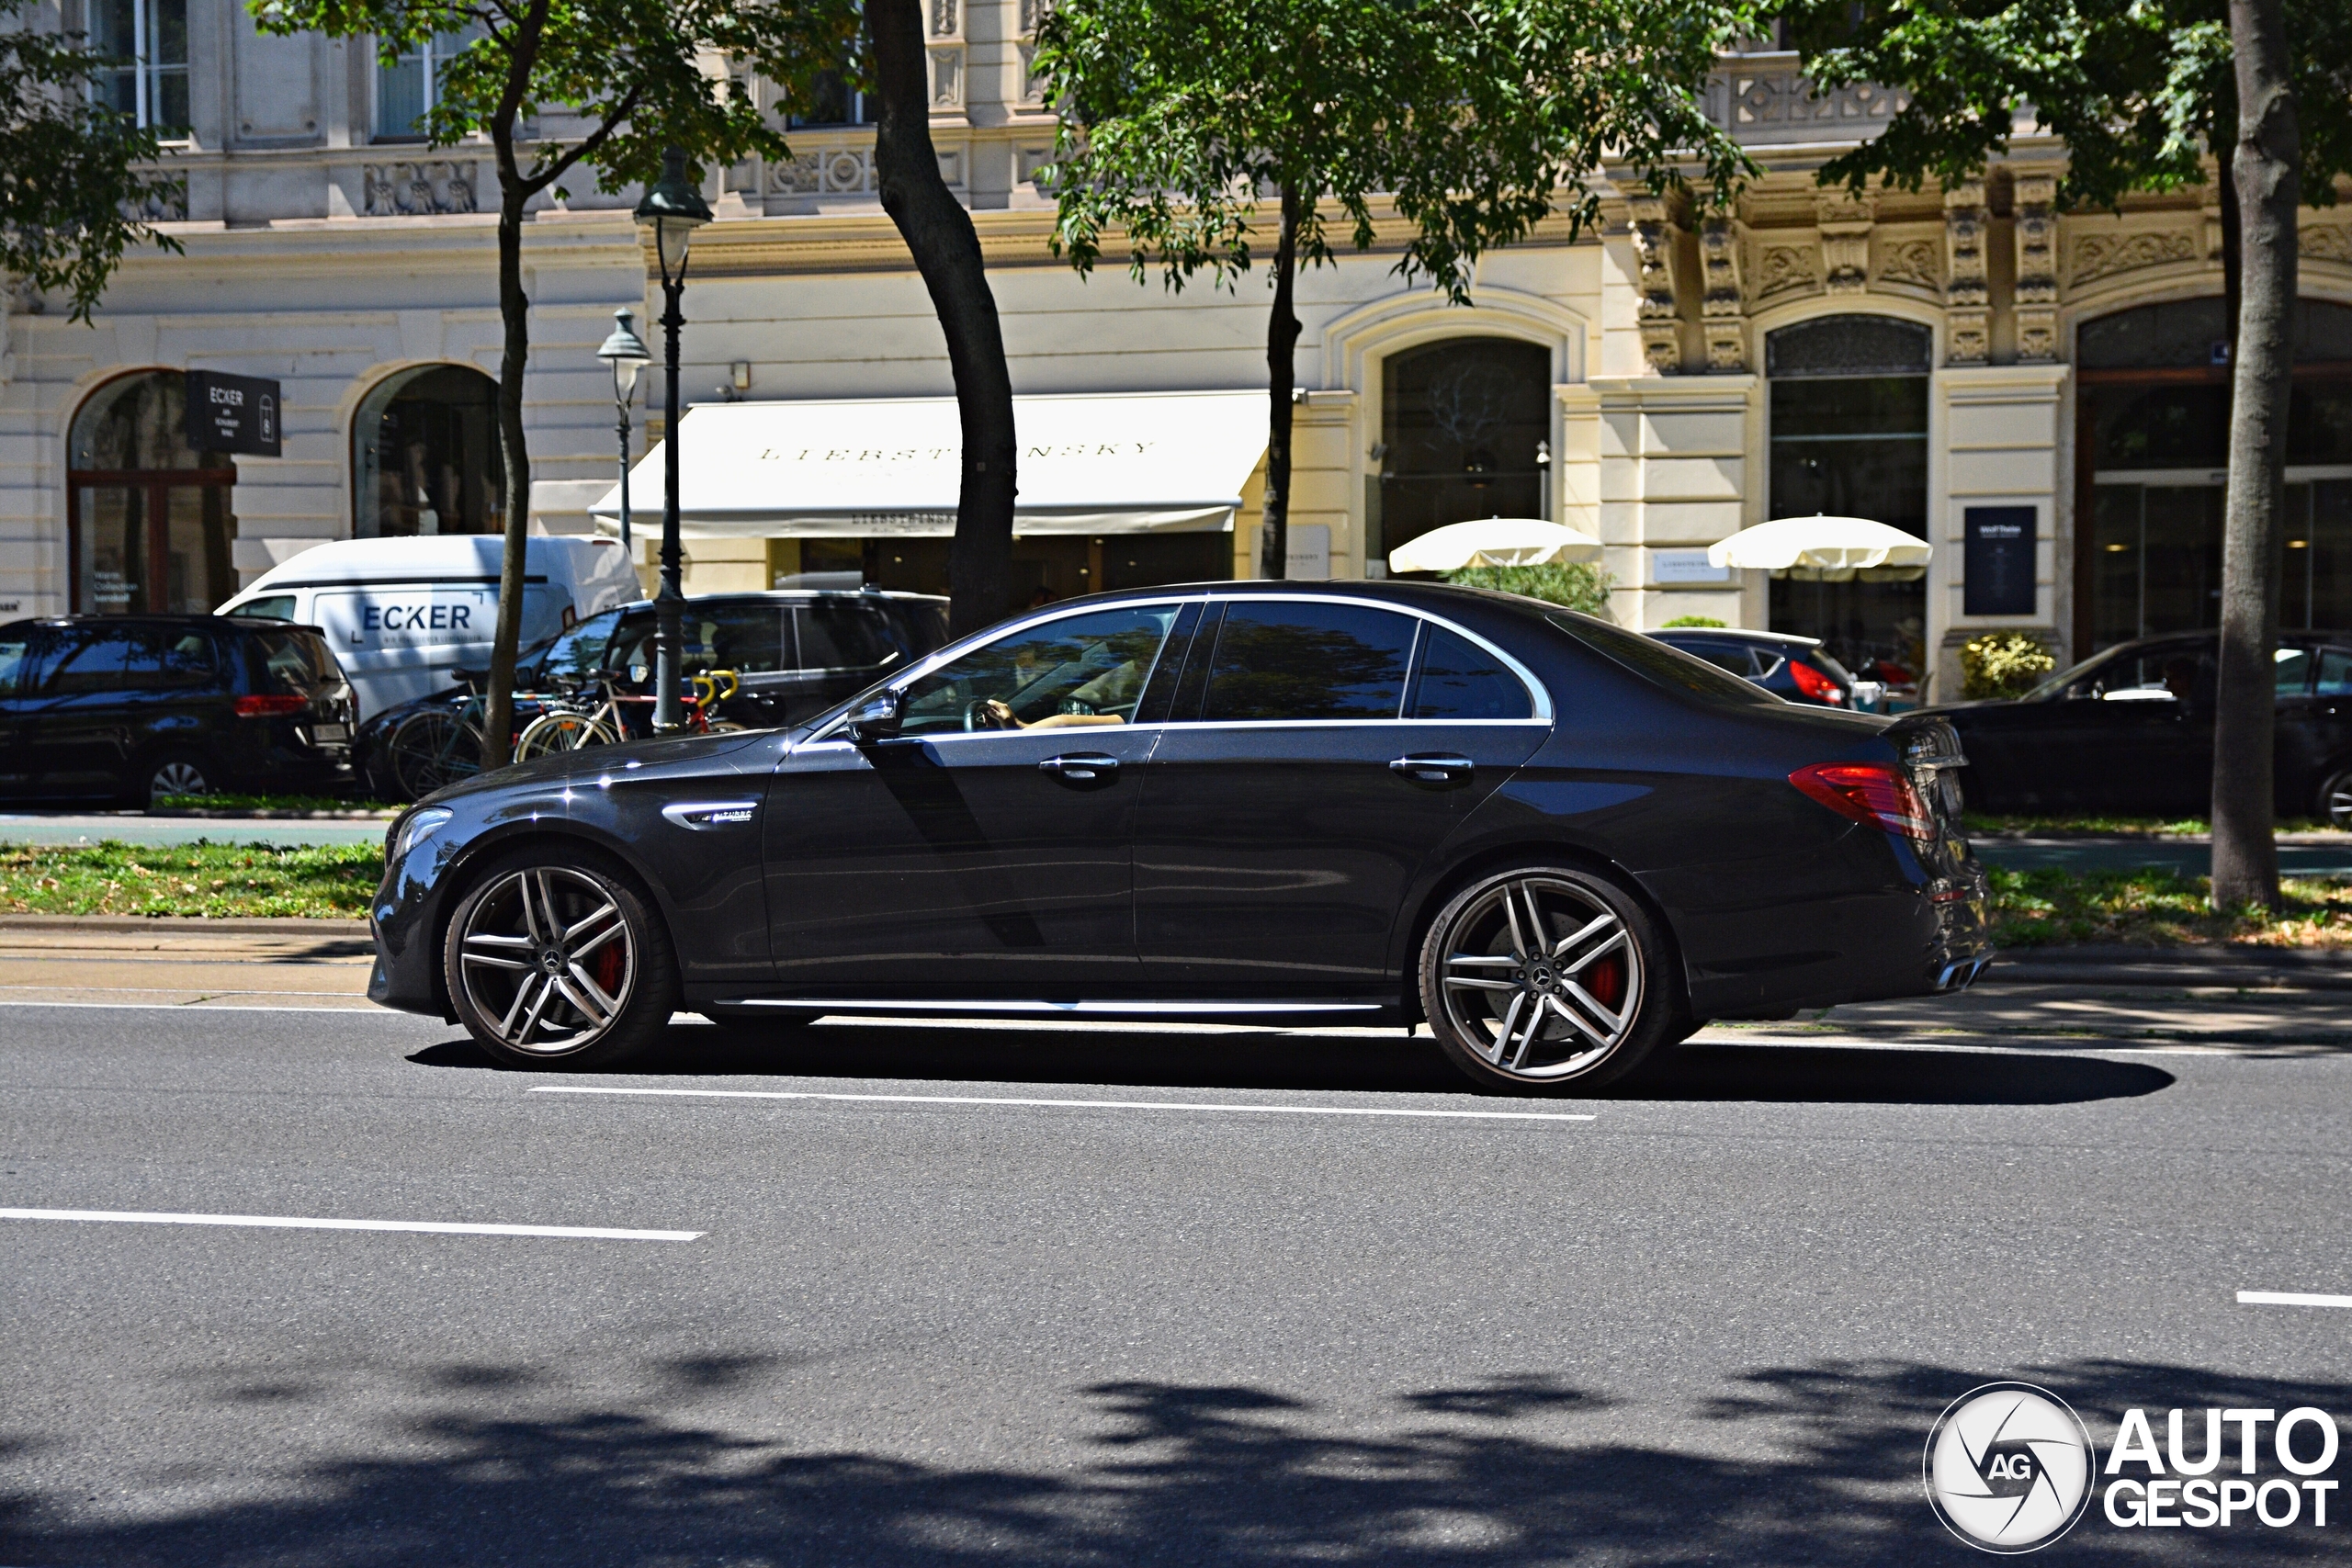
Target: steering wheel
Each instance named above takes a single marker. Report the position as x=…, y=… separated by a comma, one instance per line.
x=1079, y=705
x=977, y=714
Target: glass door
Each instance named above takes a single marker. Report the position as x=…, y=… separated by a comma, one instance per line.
x=145, y=546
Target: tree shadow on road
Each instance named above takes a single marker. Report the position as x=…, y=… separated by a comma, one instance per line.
x=1367, y=1061
x=1794, y=1465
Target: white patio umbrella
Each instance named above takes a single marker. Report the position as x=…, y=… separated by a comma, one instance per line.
x=1494, y=541
x=1825, y=549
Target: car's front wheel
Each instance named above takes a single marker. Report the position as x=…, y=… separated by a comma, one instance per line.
x=2335, y=804
x=557, y=958
x=1547, y=979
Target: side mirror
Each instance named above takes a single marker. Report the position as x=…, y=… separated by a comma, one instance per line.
x=877, y=718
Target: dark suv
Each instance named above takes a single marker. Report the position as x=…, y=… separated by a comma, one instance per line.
x=794, y=653
x=131, y=707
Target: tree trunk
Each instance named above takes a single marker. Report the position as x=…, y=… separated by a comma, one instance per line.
x=514, y=310
x=1282, y=342
x=2245, y=856
x=948, y=252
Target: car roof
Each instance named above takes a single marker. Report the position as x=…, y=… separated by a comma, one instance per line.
x=1785, y=639
x=795, y=596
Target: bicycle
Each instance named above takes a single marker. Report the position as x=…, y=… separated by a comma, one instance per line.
x=568, y=726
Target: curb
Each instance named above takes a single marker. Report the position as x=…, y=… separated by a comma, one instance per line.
x=191, y=925
x=281, y=815
x=2312, y=969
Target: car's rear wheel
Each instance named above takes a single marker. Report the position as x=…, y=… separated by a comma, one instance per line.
x=2335, y=806
x=554, y=957
x=1547, y=979
x=174, y=772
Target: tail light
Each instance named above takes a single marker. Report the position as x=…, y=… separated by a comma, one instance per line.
x=272, y=704
x=1814, y=683
x=1869, y=793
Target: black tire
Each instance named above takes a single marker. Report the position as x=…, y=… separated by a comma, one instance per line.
x=170, y=772
x=1603, y=989
x=2334, y=804
x=592, y=998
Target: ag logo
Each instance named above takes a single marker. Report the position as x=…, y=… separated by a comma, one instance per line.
x=2009, y=1467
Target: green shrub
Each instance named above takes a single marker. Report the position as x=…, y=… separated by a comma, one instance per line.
x=2003, y=664
x=1694, y=621
x=1572, y=583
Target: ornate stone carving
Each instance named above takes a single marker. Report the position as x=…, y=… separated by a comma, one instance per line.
x=2102, y=255
x=1786, y=269
x=1844, y=224
x=2324, y=241
x=417, y=189
x=945, y=14
x=946, y=78
x=1724, y=307
x=1033, y=12
x=2037, y=295
x=1777, y=104
x=1658, y=312
x=160, y=207
x=1968, y=332
x=1915, y=262
x=836, y=171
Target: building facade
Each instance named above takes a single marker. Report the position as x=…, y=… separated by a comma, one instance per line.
x=2042, y=395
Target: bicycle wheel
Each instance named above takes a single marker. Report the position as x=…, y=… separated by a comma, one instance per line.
x=432, y=748
x=560, y=731
x=725, y=726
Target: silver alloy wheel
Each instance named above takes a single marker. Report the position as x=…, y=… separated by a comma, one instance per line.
x=178, y=778
x=2335, y=801
x=548, y=961
x=1542, y=978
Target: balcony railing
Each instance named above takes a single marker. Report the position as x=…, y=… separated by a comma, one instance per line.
x=1764, y=100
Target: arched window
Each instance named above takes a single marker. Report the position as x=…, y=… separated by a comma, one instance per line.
x=1849, y=438
x=1463, y=423
x=147, y=514
x=2156, y=422
x=426, y=457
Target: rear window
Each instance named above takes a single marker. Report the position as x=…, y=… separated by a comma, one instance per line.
x=843, y=637
x=292, y=661
x=1662, y=665
x=15, y=651
x=172, y=659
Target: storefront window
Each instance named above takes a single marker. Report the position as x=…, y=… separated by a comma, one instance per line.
x=426, y=455
x=2156, y=409
x=1849, y=438
x=1464, y=423
x=147, y=514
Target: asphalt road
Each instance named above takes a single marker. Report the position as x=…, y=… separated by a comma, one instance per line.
x=1711, y=1323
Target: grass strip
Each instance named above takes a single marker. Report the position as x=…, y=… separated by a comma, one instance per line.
x=2102, y=825
x=218, y=881
x=2150, y=906
x=226, y=802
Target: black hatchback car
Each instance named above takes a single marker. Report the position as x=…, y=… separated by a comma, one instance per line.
x=794, y=653
x=1794, y=669
x=131, y=707
x=1563, y=843
x=2132, y=730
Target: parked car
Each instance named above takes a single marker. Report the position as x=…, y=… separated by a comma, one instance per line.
x=2132, y=730
x=1794, y=669
x=1564, y=843
x=794, y=653
x=128, y=708
x=405, y=614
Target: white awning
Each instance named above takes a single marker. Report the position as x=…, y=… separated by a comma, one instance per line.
x=1122, y=463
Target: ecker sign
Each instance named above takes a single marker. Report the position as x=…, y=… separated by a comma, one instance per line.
x=233, y=414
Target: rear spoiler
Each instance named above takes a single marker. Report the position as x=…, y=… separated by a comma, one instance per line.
x=1927, y=741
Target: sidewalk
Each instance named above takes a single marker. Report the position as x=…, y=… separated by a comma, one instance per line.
x=136, y=828
x=122, y=960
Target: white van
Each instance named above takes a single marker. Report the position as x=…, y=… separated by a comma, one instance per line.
x=403, y=614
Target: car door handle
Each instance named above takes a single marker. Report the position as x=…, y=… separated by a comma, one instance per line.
x=1445, y=770
x=1081, y=767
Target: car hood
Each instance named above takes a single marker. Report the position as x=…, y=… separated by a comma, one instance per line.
x=603, y=759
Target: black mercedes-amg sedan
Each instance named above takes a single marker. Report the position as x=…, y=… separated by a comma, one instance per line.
x=1561, y=843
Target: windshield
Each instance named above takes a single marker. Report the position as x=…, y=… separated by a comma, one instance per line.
x=574, y=657
x=1666, y=665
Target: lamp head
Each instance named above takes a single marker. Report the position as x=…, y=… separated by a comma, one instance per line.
x=625, y=352
x=675, y=209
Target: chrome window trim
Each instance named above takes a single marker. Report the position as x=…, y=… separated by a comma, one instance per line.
x=1538, y=693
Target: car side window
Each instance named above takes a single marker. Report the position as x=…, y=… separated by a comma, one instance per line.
x=1459, y=679
x=88, y=663
x=273, y=608
x=1074, y=672
x=1287, y=660
x=2335, y=674
x=171, y=658
x=747, y=638
x=579, y=654
x=15, y=661
x=843, y=637
x=2292, y=671
x=2163, y=675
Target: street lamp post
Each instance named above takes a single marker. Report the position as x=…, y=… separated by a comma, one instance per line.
x=673, y=209
x=625, y=353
